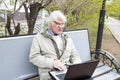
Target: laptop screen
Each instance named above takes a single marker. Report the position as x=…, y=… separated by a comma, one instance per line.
x=77, y=71
x=81, y=71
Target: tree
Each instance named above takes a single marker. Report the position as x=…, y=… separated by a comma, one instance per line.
x=79, y=12
x=113, y=9
x=32, y=8
x=9, y=18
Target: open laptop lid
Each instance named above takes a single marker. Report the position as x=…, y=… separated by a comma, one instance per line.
x=77, y=71
x=81, y=71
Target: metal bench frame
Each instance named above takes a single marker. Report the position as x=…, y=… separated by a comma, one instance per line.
x=108, y=59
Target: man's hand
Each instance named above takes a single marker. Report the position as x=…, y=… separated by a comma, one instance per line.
x=58, y=64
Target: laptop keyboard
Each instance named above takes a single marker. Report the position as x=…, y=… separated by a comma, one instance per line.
x=61, y=76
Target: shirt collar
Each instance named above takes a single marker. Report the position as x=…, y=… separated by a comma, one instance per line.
x=50, y=32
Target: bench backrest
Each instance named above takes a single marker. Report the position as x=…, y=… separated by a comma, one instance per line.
x=14, y=54
x=81, y=41
x=14, y=58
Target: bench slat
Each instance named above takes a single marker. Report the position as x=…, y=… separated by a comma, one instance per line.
x=101, y=70
x=109, y=76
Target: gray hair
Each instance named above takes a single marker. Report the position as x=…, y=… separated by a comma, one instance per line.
x=55, y=14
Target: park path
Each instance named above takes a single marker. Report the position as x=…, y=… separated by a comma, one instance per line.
x=114, y=27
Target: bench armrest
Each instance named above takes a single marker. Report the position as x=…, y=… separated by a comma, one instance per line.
x=108, y=59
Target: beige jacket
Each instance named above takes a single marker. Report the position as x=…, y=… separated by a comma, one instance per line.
x=43, y=53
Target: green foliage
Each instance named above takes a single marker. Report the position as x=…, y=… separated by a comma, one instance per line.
x=12, y=2
x=80, y=14
x=113, y=9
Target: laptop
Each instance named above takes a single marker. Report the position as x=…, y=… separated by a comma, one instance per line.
x=82, y=71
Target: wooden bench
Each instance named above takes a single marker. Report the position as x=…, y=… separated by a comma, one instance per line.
x=15, y=65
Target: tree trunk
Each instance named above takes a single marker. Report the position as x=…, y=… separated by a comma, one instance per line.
x=8, y=25
x=17, y=29
x=34, y=10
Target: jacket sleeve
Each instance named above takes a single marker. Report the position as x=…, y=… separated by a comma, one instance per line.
x=75, y=57
x=35, y=56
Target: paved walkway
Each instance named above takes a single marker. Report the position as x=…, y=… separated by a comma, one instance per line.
x=114, y=26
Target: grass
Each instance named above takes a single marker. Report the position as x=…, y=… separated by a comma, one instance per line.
x=108, y=43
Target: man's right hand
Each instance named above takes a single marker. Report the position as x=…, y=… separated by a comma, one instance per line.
x=58, y=64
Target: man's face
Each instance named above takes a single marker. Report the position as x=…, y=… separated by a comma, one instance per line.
x=57, y=26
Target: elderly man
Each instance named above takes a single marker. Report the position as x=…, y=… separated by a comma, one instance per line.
x=51, y=49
